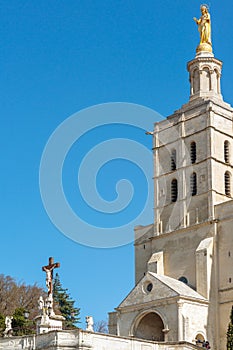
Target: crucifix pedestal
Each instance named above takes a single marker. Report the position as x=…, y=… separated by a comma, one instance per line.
x=45, y=323
x=47, y=320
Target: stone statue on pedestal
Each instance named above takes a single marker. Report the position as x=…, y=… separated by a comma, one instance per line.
x=90, y=323
x=8, y=330
x=41, y=305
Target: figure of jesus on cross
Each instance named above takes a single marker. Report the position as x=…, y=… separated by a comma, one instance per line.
x=49, y=274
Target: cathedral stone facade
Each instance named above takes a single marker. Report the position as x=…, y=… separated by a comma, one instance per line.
x=184, y=261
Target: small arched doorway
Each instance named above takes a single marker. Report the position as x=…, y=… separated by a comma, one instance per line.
x=150, y=327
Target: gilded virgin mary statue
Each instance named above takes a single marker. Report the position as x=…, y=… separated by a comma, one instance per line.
x=204, y=28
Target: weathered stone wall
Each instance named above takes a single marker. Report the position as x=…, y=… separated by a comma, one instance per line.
x=224, y=213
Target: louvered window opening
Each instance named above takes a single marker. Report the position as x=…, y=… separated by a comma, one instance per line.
x=227, y=183
x=174, y=190
x=193, y=184
x=227, y=151
x=193, y=152
x=173, y=159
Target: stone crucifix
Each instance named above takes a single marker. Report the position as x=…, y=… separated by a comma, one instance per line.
x=49, y=274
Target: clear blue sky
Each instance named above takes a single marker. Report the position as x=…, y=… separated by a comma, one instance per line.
x=58, y=57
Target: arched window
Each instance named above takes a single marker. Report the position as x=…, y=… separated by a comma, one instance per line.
x=227, y=179
x=173, y=159
x=193, y=184
x=196, y=81
x=217, y=80
x=206, y=81
x=227, y=151
x=193, y=152
x=174, y=190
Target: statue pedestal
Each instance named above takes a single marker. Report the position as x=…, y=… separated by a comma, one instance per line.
x=204, y=47
x=45, y=323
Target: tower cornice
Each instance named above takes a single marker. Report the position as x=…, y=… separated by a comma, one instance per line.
x=204, y=60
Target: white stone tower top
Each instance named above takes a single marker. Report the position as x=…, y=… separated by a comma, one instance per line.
x=204, y=77
x=204, y=70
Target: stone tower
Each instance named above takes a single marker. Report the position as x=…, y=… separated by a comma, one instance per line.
x=191, y=151
x=184, y=260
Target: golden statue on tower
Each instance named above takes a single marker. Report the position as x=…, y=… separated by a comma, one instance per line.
x=204, y=28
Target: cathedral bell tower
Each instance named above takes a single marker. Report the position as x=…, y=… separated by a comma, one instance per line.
x=192, y=158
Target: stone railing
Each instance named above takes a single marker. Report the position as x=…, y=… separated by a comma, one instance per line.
x=83, y=340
